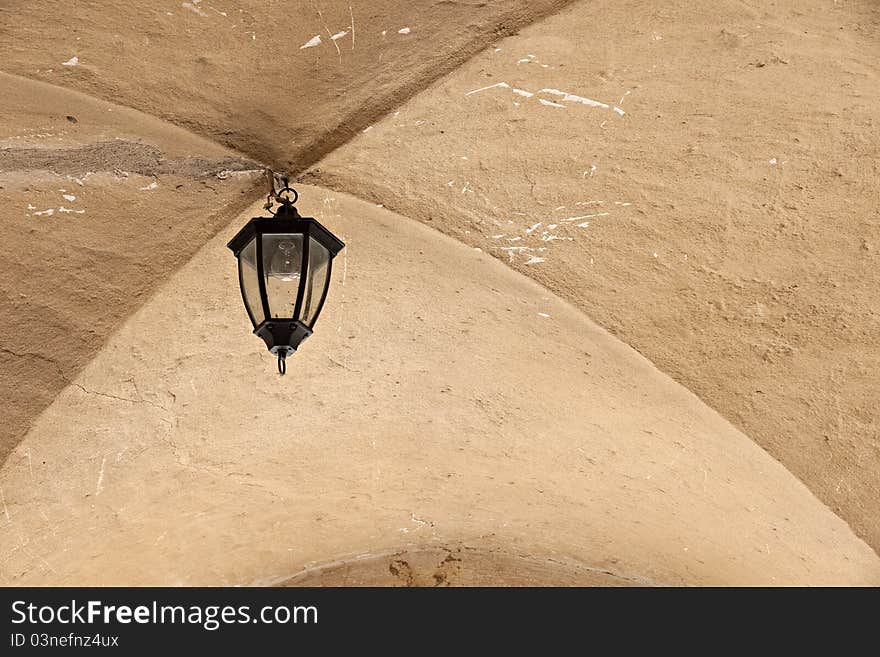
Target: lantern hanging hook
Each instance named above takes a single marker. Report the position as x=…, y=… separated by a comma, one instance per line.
x=278, y=187
x=282, y=363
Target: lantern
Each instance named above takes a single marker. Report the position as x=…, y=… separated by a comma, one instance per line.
x=284, y=264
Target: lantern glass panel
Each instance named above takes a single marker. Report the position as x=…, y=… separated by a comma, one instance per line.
x=316, y=281
x=282, y=269
x=250, y=281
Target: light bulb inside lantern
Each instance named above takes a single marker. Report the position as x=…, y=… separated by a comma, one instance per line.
x=286, y=261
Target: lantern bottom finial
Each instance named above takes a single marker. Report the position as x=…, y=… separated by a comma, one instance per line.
x=282, y=336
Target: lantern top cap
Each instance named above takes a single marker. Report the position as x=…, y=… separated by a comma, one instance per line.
x=286, y=221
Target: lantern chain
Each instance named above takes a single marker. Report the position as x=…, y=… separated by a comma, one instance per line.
x=278, y=187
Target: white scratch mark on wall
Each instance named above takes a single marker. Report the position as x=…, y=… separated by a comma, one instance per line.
x=5, y=508
x=523, y=92
x=587, y=216
x=344, y=275
x=327, y=29
x=339, y=35
x=99, y=486
x=193, y=6
x=504, y=85
x=572, y=98
x=68, y=197
x=73, y=61
x=403, y=30
x=549, y=103
x=534, y=260
x=511, y=250
x=311, y=43
x=152, y=185
x=419, y=520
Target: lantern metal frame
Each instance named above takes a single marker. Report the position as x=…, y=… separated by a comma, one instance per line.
x=283, y=335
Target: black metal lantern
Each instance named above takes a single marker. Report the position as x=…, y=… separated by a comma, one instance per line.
x=284, y=264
